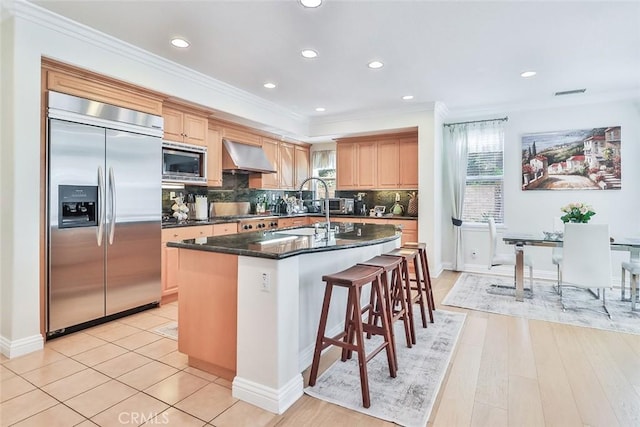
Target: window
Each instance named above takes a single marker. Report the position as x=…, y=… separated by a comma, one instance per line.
x=483, y=196
x=323, y=165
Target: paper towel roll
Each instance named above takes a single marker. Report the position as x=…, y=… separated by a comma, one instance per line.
x=202, y=211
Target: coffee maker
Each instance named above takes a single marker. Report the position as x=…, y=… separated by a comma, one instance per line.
x=359, y=205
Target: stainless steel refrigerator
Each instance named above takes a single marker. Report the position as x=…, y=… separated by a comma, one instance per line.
x=104, y=208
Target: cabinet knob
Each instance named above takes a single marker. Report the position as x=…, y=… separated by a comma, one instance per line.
x=175, y=235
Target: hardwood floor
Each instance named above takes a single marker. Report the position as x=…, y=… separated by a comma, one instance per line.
x=505, y=371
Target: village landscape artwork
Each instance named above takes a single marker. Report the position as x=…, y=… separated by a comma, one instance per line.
x=583, y=159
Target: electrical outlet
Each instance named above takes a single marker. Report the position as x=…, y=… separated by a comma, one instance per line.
x=172, y=195
x=266, y=282
x=474, y=254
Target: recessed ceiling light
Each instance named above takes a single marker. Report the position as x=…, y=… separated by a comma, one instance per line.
x=528, y=74
x=407, y=97
x=321, y=109
x=311, y=3
x=375, y=64
x=178, y=42
x=269, y=85
x=309, y=53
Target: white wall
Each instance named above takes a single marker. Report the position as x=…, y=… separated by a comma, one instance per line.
x=533, y=211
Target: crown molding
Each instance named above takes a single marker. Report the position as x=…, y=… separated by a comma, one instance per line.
x=371, y=114
x=43, y=17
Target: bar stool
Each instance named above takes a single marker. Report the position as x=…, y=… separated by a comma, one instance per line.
x=426, y=276
x=394, y=294
x=411, y=255
x=354, y=278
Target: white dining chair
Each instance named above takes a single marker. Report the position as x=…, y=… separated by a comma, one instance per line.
x=633, y=267
x=496, y=259
x=586, y=259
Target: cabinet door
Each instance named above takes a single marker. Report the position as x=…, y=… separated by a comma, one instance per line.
x=195, y=129
x=408, y=173
x=214, y=158
x=268, y=180
x=366, y=163
x=172, y=124
x=301, y=166
x=388, y=164
x=346, y=166
x=287, y=153
x=170, y=264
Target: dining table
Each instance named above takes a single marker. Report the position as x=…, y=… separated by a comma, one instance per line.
x=520, y=240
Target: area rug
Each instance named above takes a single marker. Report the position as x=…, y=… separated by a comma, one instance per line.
x=475, y=291
x=169, y=330
x=407, y=399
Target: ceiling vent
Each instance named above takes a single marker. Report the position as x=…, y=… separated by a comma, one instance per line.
x=570, y=92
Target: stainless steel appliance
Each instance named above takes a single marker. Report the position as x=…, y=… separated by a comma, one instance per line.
x=246, y=225
x=184, y=163
x=104, y=212
x=341, y=206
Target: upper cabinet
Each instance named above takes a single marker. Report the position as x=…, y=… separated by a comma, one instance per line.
x=184, y=126
x=291, y=161
x=302, y=166
x=214, y=158
x=377, y=162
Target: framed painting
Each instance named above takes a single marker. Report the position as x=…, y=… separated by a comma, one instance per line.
x=583, y=159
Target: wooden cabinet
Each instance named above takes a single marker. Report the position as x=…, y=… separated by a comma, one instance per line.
x=287, y=165
x=184, y=126
x=356, y=165
x=302, y=166
x=408, y=158
x=378, y=162
x=224, y=229
x=169, y=256
x=291, y=161
x=388, y=164
x=214, y=158
x=298, y=221
x=409, y=227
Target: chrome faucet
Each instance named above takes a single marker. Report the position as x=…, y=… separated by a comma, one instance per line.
x=326, y=198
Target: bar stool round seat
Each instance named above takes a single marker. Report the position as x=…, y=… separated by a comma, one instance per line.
x=354, y=279
x=425, y=275
x=411, y=255
x=395, y=301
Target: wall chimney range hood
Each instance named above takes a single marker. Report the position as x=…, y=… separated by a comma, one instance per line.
x=244, y=158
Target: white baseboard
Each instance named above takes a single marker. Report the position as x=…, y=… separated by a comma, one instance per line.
x=267, y=398
x=21, y=346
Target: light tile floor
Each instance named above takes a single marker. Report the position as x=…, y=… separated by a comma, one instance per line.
x=118, y=373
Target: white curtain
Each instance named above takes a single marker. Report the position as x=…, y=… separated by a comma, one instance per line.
x=323, y=159
x=460, y=139
x=456, y=151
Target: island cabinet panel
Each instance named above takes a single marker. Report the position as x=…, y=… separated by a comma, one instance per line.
x=207, y=311
x=169, y=256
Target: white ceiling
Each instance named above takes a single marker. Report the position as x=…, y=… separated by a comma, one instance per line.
x=467, y=55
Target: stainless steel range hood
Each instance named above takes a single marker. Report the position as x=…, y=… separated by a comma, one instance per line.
x=244, y=158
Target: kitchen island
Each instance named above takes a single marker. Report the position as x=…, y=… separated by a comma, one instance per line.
x=250, y=303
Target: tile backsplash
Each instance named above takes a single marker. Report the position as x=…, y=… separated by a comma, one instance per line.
x=235, y=188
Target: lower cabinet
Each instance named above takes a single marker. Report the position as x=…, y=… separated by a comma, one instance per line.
x=293, y=222
x=170, y=257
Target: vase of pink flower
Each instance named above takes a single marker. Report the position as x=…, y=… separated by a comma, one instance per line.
x=577, y=212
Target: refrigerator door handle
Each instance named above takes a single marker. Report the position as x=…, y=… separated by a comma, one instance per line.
x=101, y=212
x=112, y=191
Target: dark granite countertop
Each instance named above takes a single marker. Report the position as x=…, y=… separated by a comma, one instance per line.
x=284, y=243
x=172, y=223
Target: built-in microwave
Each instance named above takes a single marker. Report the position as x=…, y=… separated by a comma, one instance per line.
x=341, y=206
x=184, y=163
